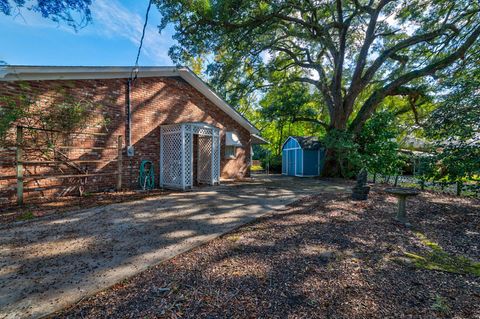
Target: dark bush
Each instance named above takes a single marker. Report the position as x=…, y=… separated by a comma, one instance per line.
x=274, y=163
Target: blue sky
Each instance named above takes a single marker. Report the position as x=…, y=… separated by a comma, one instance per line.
x=111, y=39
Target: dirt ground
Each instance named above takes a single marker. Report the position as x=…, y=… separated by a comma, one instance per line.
x=325, y=256
x=49, y=262
x=40, y=207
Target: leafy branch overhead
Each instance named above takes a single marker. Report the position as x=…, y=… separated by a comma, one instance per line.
x=75, y=13
x=354, y=53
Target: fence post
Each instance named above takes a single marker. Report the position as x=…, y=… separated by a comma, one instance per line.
x=459, y=188
x=396, y=181
x=119, y=162
x=19, y=158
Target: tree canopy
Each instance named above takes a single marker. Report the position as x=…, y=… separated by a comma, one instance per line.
x=75, y=13
x=355, y=53
x=454, y=126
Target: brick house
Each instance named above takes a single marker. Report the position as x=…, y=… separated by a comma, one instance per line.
x=141, y=108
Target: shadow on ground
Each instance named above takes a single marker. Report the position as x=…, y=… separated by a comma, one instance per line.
x=324, y=257
x=48, y=263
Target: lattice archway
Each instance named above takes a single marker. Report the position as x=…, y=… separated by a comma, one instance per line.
x=177, y=158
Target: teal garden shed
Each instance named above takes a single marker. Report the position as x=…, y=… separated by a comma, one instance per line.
x=303, y=156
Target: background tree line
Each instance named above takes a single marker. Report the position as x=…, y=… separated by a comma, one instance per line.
x=360, y=74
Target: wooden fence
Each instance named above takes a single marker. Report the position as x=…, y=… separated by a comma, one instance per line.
x=21, y=162
x=460, y=189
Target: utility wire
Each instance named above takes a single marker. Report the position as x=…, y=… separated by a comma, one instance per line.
x=135, y=69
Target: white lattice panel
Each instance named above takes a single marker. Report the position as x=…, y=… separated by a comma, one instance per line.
x=204, y=130
x=172, y=161
x=188, y=149
x=216, y=159
x=205, y=147
x=171, y=129
x=176, y=154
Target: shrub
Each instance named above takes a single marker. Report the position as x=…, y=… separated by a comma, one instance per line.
x=274, y=164
x=378, y=146
x=256, y=168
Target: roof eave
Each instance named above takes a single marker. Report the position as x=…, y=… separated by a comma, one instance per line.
x=257, y=139
x=203, y=88
x=11, y=73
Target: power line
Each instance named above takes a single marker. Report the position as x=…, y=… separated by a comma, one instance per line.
x=135, y=69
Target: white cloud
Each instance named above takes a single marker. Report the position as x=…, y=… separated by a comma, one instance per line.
x=112, y=19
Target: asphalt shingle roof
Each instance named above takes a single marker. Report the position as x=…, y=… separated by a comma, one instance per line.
x=308, y=142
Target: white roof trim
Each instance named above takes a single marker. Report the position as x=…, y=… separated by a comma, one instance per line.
x=293, y=138
x=11, y=73
x=257, y=139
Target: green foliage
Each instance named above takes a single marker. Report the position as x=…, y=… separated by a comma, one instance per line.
x=289, y=103
x=260, y=152
x=260, y=45
x=454, y=127
x=440, y=305
x=75, y=13
x=349, y=60
x=66, y=116
x=28, y=215
x=454, y=163
x=375, y=148
x=11, y=110
x=284, y=111
x=256, y=168
x=274, y=163
x=344, y=152
x=378, y=144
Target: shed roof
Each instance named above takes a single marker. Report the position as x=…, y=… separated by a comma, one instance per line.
x=28, y=73
x=308, y=142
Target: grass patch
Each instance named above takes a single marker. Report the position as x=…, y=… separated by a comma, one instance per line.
x=439, y=260
x=233, y=238
x=87, y=194
x=26, y=216
x=441, y=305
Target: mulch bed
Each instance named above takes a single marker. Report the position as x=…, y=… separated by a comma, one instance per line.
x=326, y=256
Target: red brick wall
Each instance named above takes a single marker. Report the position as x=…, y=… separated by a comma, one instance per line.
x=154, y=102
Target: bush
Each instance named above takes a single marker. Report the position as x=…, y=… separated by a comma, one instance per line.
x=378, y=147
x=375, y=148
x=274, y=164
x=342, y=153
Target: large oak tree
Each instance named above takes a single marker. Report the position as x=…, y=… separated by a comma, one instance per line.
x=354, y=52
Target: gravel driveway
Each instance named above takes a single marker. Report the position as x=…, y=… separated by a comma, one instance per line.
x=49, y=263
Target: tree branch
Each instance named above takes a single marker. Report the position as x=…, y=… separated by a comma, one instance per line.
x=323, y=89
x=306, y=119
x=355, y=84
x=378, y=95
x=295, y=59
x=400, y=46
x=367, y=42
